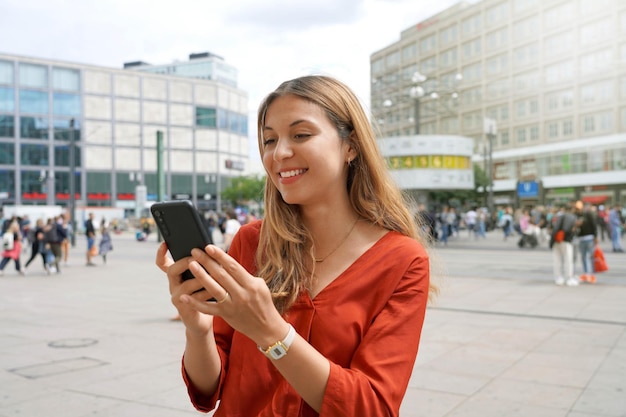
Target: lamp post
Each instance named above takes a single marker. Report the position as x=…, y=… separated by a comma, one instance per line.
x=417, y=92
x=491, y=130
x=72, y=184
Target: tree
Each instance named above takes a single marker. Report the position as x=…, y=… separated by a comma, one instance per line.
x=243, y=189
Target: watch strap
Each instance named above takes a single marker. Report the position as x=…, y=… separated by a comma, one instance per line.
x=280, y=348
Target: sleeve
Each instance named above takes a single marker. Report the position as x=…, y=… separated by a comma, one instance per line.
x=222, y=331
x=379, y=373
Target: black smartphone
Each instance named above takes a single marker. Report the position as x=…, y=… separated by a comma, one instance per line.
x=182, y=228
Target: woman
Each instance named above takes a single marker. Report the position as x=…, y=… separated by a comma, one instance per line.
x=38, y=246
x=106, y=245
x=15, y=250
x=320, y=305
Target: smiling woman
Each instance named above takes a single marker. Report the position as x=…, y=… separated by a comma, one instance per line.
x=313, y=319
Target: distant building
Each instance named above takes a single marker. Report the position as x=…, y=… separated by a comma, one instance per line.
x=116, y=115
x=550, y=73
x=205, y=65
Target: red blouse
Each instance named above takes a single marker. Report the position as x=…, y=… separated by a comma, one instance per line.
x=367, y=323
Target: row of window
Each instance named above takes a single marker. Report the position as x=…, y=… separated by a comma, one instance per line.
x=38, y=102
x=37, y=76
x=222, y=119
x=589, y=34
x=39, y=128
x=592, y=160
x=38, y=154
x=590, y=124
x=35, y=184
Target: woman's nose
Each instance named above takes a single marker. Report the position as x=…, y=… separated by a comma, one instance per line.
x=282, y=150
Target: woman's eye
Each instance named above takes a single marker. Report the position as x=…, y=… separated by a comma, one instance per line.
x=268, y=141
x=301, y=135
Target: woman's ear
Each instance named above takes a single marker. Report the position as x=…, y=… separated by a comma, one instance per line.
x=351, y=153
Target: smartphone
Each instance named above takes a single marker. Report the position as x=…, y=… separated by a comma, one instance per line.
x=182, y=228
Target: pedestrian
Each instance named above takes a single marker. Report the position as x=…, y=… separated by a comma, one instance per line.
x=12, y=247
x=38, y=245
x=320, y=304
x=428, y=221
x=231, y=228
x=482, y=220
x=65, y=244
x=616, y=225
x=563, y=250
x=506, y=222
x=54, y=234
x=443, y=225
x=90, y=232
x=471, y=218
x=106, y=245
x=587, y=240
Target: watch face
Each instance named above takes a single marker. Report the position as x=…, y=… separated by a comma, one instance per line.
x=278, y=351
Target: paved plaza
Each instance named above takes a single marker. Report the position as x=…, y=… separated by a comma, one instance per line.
x=501, y=340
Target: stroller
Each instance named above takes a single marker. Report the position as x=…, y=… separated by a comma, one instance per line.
x=529, y=237
x=530, y=240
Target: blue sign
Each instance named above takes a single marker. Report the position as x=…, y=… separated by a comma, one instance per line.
x=528, y=189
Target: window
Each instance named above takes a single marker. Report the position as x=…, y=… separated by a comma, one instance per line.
x=65, y=104
x=6, y=72
x=428, y=43
x=589, y=124
x=526, y=28
x=594, y=32
x=497, y=14
x=34, y=127
x=62, y=156
x=62, y=182
x=558, y=44
x=568, y=128
x=409, y=52
x=33, y=181
x=522, y=5
x=520, y=109
x=534, y=133
x=521, y=135
x=448, y=35
x=33, y=76
x=471, y=48
x=181, y=184
x=497, y=38
x=596, y=61
x=553, y=130
x=206, y=117
x=32, y=101
x=471, y=24
x=560, y=72
x=7, y=99
x=63, y=131
x=504, y=113
x=392, y=60
x=526, y=54
x=504, y=138
x=7, y=156
x=34, y=154
x=7, y=126
x=98, y=181
x=559, y=15
x=448, y=58
x=65, y=79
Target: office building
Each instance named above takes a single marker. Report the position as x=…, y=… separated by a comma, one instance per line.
x=109, y=119
x=546, y=79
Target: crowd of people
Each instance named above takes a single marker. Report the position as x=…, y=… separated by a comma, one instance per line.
x=49, y=240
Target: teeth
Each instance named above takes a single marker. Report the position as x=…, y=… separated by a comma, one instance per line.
x=292, y=173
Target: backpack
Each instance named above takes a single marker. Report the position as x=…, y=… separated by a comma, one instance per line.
x=8, y=241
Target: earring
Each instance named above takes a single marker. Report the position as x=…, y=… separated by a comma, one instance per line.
x=349, y=163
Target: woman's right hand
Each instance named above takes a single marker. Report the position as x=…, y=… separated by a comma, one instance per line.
x=199, y=324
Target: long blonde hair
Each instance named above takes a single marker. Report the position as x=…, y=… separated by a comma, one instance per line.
x=373, y=194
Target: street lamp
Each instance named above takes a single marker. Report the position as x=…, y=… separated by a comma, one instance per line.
x=417, y=92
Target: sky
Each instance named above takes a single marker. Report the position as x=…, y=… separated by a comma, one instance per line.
x=269, y=41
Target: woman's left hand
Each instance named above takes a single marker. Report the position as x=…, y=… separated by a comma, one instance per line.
x=248, y=307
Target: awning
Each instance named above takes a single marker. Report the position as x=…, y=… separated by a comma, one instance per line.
x=595, y=199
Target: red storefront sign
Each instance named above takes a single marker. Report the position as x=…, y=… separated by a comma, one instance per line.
x=98, y=196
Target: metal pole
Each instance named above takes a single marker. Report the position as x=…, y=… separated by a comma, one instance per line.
x=72, y=184
x=160, y=173
x=490, y=173
x=416, y=115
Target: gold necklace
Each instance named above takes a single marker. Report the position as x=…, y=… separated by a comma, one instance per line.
x=340, y=243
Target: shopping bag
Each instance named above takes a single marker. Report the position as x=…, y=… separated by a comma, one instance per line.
x=94, y=250
x=599, y=263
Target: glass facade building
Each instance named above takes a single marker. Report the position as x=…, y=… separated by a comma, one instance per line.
x=110, y=118
x=551, y=74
